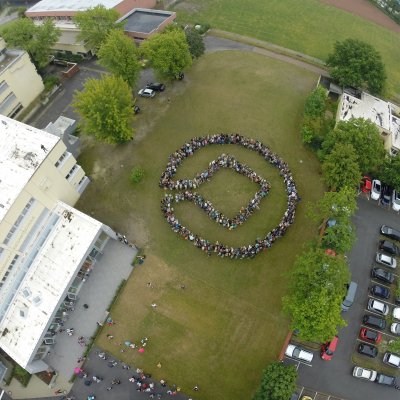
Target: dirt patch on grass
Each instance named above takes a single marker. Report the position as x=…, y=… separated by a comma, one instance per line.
x=365, y=9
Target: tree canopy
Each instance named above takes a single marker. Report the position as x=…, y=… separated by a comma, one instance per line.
x=364, y=136
x=389, y=171
x=339, y=237
x=119, y=54
x=316, y=290
x=195, y=42
x=36, y=40
x=340, y=167
x=356, y=63
x=106, y=108
x=168, y=53
x=95, y=24
x=277, y=383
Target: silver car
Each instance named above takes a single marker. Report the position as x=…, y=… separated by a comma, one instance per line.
x=363, y=373
x=385, y=260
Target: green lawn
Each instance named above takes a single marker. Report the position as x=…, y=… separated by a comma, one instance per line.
x=307, y=26
x=221, y=330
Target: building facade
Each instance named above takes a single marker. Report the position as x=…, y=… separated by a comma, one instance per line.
x=46, y=245
x=20, y=83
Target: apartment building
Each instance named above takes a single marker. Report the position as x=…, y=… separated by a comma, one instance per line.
x=20, y=83
x=45, y=243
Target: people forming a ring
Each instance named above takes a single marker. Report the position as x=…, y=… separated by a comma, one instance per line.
x=226, y=161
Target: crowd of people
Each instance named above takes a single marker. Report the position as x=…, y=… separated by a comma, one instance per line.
x=187, y=150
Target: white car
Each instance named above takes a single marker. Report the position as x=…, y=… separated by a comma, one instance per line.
x=146, y=93
x=395, y=328
x=378, y=307
x=299, y=353
x=385, y=260
x=396, y=201
x=364, y=373
x=396, y=312
x=376, y=189
x=391, y=359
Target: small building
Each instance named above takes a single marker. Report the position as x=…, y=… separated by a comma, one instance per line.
x=20, y=84
x=63, y=11
x=141, y=23
x=45, y=243
x=384, y=114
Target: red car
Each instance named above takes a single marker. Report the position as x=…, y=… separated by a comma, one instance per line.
x=329, y=348
x=366, y=184
x=370, y=336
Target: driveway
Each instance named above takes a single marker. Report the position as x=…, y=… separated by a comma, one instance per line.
x=335, y=376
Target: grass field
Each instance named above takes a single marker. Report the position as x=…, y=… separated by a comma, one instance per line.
x=222, y=329
x=307, y=26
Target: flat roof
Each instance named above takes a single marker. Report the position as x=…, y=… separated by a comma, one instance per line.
x=21, y=154
x=49, y=277
x=368, y=107
x=71, y=5
x=144, y=20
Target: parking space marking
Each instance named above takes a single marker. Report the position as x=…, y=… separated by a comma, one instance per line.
x=298, y=361
x=380, y=283
x=309, y=392
x=382, y=300
x=383, y=333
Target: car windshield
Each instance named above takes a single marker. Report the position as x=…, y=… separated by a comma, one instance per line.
x=377, y=187
x=296, y=352
x=371, y=335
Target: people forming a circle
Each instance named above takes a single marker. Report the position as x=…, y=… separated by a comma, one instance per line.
x=225, y=161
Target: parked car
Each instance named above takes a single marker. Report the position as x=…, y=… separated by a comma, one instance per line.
x=370, y=336
x=364, y=373
x=380, y=291
x=299, y=353
x=391, y=359
x=136, y=109
x=329, y=348
x=382, y=275
x=388, y=247
x=375, y=322
x=378, y=307
x=386, y=195
x=390, y=232
x=396, y=200
x=385, y=260
x=367, y=350
x=395, y=328
x=366, y=184
x=385, y=380
x=350, y=296
x=396, y=313
x=376, y=189
x=146, y=93
x=158, y=87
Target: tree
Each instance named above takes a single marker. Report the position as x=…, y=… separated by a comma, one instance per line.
x=364, y=136
x=394, y=346
x=168, y=53
x=389, y=171
x=119, y=54
x=355, y=63
x=316, y=287
x=106, y=108
x=339, y=205
x=95, y=24
x=339, y=237
x=277, y=383
x=340, y=167
x=195, y=42
x=36, y=40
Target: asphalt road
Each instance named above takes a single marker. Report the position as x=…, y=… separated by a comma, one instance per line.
x=334, y=376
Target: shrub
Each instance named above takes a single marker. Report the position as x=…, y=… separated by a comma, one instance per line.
x=203, y=28
x=137, y=174
x=50, y=81
x=22, y=375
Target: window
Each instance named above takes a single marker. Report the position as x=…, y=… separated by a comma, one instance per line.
x=71, y=172
x=37, y=300
x=7, y=102
x=3, y=86
x=61, y=159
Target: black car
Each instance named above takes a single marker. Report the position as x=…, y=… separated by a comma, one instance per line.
x=380, y=291
x=158, y=87
x=388, y=247
x=386, y=196
x=367, y=350
x=390, y=232
x=385, y=380
x=375, y=322
x=382, y=275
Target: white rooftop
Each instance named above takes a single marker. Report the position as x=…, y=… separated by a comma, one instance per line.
x=45, y=285
x=21, y=153
x=368, y=107
x=71, y=5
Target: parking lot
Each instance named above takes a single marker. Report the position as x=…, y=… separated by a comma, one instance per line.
x=335, y=376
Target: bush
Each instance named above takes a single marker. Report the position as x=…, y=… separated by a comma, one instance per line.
x=50, y=81
x=137, y=174
x=75, y=58
x=203, y=28
x=22, y=375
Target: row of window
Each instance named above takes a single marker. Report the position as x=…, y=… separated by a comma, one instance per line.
x=9, y=269
x=71, y=172
x=6, y=103
x=61, y=159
